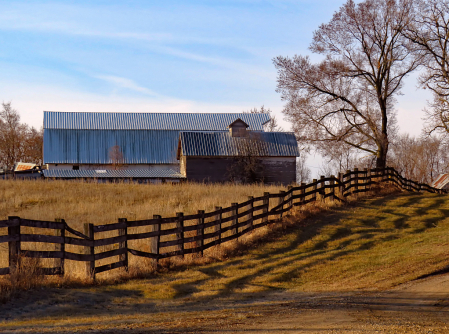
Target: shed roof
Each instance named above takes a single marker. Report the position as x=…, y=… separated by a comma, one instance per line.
x=441, y=181
x=150, y=121
x=262, y=144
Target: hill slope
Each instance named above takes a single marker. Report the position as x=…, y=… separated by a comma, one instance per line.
x=342, y=259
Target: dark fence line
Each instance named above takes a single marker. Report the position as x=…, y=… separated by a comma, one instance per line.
x=208, y=228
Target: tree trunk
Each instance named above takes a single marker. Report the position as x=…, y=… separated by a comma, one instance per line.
x=382, y=150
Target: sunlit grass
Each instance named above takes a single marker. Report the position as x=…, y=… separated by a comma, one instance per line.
x=374, y=244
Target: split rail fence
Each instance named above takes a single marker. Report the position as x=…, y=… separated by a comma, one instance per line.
x=183, y=234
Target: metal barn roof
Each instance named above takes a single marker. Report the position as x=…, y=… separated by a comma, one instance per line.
x=103, y=173
x=260, y=144
x=150, y=121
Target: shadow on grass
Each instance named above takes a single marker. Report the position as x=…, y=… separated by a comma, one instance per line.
x=283, y=257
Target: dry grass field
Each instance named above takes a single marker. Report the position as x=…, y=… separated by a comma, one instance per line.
x=103, y=203
x=323, y=270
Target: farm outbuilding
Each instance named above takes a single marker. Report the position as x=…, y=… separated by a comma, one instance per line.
x=238, y=155
x=93, y=145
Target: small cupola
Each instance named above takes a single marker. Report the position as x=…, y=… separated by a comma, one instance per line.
x=238, y=128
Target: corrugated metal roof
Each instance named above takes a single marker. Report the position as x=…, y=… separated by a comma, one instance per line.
x=93, y=146
x=150, y=121
x=441, y=181
x=127, y=173
x=222, y=144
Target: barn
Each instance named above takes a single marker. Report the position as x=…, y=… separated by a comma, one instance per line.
x=140, y=146
x=238, y=155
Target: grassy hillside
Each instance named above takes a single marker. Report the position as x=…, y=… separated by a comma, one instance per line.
x=376, y=244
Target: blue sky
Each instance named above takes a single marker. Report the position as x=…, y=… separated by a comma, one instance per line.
x=158, y=56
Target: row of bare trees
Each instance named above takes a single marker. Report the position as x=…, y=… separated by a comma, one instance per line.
x=344, y=104
x=18, y=141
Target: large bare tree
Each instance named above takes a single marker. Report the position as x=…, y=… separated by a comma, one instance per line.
x=348, y=97
x=429, y=32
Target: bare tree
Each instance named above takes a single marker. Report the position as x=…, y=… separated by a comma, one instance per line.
x=303, y=173
x=429, y=33
x=12, y=136
x=420, y=159
x=272, y=125
x=116, y=156
x=349, y=96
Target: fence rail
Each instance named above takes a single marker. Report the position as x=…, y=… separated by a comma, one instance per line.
x=204, y=229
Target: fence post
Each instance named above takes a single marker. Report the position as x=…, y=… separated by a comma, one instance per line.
x=332, y=189
x=314, y=187
x=155, y=240
x=251, y=211
x=341, y=187
x=200, y=231
x=14, y=246
x=356, y=178
x=322, y=190
x=180, y=234
x=368, y=180
x=281, y=202
x=60, y=247
x=266, y=203
x=235, y=219
x=90, y=250
x=302, y=191
x=290, y=195
x=124, y=244
x=218, y=218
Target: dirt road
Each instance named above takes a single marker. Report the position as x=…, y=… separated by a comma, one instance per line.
x=418, y=307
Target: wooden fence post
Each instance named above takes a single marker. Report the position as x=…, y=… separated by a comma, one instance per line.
x=235, y=219
x=322, y=190
x=60, y=247
x=302, y=191
x=180, y=234
x=90, y=250
x=290, y=195
x=332, y=189
x=124, y=244
x=218, y=218
x=365, y=174
x=314, y=187
x=341, y=187
x=281, y=202
x=251, y=211
x=266, y=203
x=356, y=179
x=200, y=231
x=14, y=246
x=368, y=180
x=156, y=240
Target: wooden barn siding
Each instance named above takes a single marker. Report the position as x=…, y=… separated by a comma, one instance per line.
x=205, y=169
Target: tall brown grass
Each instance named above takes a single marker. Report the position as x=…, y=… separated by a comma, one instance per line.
x=81, y=202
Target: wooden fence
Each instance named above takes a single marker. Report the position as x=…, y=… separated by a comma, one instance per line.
x=183, y=234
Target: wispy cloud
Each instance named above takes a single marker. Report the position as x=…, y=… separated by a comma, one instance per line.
x=126, y=84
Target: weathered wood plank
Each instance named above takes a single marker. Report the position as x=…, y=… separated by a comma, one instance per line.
x=43, y=254
x=41, y=224
x=41, y=238
x=109, y=266
x=8, y=238
x=4, y=271
x=109, y=227
x=110, y=241
x=143, y=254
x=79, y=257
x=105, y=255
x=140, y=223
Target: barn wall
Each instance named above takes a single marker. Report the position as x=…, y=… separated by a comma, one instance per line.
x=274, y=169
